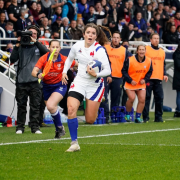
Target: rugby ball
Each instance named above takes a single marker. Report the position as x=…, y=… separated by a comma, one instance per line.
x=96, y=65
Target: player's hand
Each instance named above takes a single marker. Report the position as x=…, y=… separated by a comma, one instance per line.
x=165, y=78
x=40, y=76
x=18, y=40
x=142, y=81
x=133, y=82
x=91, y=71
x=64, y=79
x=109, y=80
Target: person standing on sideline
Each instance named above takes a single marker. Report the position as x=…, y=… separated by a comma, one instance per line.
x=53, y=89
x=87, y=84
x=136, y=71
x=176, y=79
x=157, y=56
x=117, y=55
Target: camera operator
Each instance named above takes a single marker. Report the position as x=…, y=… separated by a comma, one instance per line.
x=28, y=50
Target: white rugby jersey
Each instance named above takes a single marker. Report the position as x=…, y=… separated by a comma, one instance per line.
x=84, y=56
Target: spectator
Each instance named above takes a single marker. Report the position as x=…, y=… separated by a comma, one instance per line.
x=172, y=37
x=24, y=4
x=58, y=13
x=169, y=23
x=176, y=3
x=46, y=9
x=171, y=12
x=33, y=11
x=44, y=42
x=9, y=34
x=55, y=35
x=122, y=28
x=39, y=8
x=26, y=85
x=140, y=27
x=140, y=8
x=166, y=8
x=45, y=23
x=2, y=20
x=80, y=24
x=31, y=18
x=70, y=10
x=147, y=35
x=127, y=14
x=131, y=9
x=90, y=17
x=177, y=19
x=154, y=5
x=99, y=11
x=14, y=11
x=176, y=79
x=1, y=6
x=149, y=14
x=66, y=34
x=178, y=32
x=81, y=7
x=103, y=4
x=23, y=21
x=56, y=26
x=157, y=25
x=55, y=4
x=131, y=32
x=74, y=32
x=6, y=6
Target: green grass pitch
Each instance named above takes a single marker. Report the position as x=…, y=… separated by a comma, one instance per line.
x=125, y=151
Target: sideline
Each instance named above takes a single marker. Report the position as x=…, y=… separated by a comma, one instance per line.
x=92, y=136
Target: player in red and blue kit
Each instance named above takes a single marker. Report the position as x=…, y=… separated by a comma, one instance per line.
x=53, y=88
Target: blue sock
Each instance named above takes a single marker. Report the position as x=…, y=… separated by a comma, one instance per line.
x=138, y=115
x=73, y=126
x=57, y=119
x=128, y=113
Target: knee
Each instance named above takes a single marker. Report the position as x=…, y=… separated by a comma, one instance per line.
x=131, y=99
x=71, y=111
x=141, y=100
x=50, y=107
x=91, y=119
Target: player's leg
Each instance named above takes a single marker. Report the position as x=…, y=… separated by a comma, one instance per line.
x=52, y=107
x=141, y=94
x=73, y=103
x=131, y=97
x=91, y=111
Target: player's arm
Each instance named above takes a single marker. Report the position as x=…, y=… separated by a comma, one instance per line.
x=124, y=71
x=149, y=73
x=165, y=74
x=106, y=69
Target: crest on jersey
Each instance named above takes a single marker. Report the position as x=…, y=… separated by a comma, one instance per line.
x=80, y=51
x=144, y=66
x=92, y=53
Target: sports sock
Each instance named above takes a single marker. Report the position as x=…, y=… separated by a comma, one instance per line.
x=138, y=115
x=128, y=113
x=57, y=119
x=73, y=126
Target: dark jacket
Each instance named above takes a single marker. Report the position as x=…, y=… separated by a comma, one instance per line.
x=124, y=32
x=22, y=24
x=56, y=27
x=28, y=57
x=141, y=9
x=172, y=38
x=176, y=77
x=75, y=33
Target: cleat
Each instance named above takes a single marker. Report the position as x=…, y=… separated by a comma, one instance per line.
x=37, y=132
x=61, y=132
x=138, y=120
x=44, y=125
x=159, y=120
x=128, y=118
x=74, y=147
x=19, y=132
x=146, y=120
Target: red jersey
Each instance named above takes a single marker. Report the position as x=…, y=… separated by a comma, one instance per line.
x=55, y=74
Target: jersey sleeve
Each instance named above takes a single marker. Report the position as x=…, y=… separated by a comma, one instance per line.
x=70, y=58
x=64, y=58
x=103, y=57
x=41, y=62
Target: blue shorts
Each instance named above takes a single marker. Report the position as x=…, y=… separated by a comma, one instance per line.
x=48, y=89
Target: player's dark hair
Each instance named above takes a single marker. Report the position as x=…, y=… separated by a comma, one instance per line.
x=101, y=37
x=54, y=40
x=117, y=32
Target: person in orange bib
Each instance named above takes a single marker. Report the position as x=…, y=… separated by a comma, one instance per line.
x=157, y=56
x=117, y=55
x=136, y=72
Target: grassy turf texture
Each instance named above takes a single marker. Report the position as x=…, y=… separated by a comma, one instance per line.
x=136, y=152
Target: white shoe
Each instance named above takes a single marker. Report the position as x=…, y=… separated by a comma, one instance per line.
x=74, y=147
x=38, y=132
x=19, y=132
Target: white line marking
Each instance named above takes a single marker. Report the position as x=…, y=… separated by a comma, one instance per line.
x=100, y=135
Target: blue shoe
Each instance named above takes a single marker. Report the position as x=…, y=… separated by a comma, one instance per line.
x=128, y=118
x=138, y=120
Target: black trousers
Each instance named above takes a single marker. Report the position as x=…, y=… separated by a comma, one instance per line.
x=156, y=87
x=33, y=91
